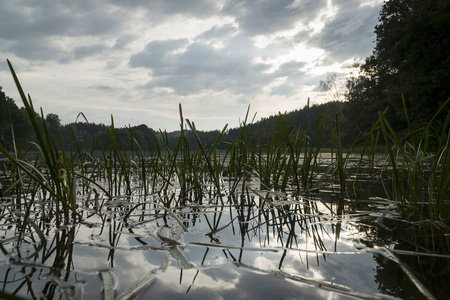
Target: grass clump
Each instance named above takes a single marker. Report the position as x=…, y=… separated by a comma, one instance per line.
x=55, y=174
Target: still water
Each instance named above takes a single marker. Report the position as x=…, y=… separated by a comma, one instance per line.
x=256, y=244
x=277, y=247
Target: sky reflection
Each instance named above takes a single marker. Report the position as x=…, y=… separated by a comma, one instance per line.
x=226, y=253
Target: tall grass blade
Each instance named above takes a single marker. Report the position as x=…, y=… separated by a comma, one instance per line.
x=108, y=288
x=206, y=157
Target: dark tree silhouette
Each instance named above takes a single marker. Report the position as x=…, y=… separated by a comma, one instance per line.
x=411, y=57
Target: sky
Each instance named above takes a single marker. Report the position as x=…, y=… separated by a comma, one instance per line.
x=139, y=59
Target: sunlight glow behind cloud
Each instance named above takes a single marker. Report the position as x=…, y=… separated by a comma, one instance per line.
x=139, y=59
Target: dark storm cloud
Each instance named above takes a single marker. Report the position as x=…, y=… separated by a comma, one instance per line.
x=350, y=33
x=268, y=16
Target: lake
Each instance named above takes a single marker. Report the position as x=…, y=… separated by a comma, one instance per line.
x=245, y=242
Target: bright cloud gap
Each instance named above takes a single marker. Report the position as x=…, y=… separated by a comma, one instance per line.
x=138, y=60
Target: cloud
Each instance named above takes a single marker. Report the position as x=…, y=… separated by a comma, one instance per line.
x=157, y=55
x=217, y=32
x=24, y=19
x=105, y=88
x=204, y=53
x=190, y=67
x=350, y=32
x=160, y=9
x=85, y=51
x=52, y=30
x=123, y=41
x=290, y=68
x=268, y=16
x=282, y=90
x=37, y=49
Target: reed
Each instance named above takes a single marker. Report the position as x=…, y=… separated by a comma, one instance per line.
x=418, y=173
x=60, y=183
x=261, y=184
x=283, y=160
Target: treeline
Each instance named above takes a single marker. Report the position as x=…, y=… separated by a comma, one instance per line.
x=96, y=137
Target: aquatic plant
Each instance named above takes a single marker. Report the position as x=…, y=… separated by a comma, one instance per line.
x=418, y=172
x=61, y=183
x=260, y=187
